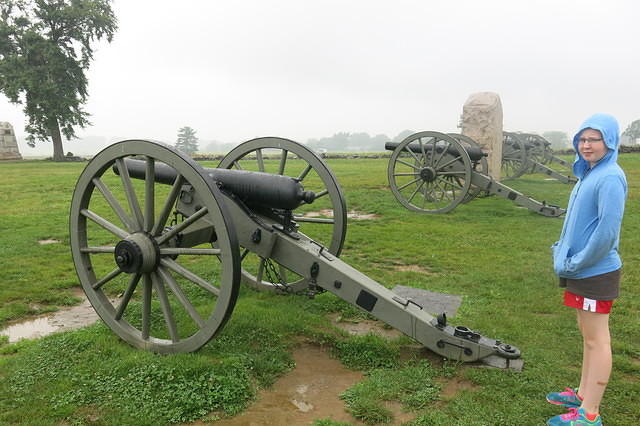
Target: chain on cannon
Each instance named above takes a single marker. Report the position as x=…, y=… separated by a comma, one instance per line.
x=433, y=172
x=271, y=215
x=529, y=153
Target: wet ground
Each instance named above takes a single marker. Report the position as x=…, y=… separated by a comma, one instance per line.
x=351, y=215
x=62, y=320
x=309, y=392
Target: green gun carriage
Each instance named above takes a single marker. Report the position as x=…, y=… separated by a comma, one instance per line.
x=176, y=240
x=432, y=172
x=524, y=153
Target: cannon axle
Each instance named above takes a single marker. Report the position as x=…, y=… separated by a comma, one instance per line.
x=138, y=253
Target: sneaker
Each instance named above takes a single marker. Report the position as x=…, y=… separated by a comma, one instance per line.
x=575, y=417
x=568, y=398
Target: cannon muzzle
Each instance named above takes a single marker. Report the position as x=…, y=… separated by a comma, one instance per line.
x=253, y=188
x=475, y=153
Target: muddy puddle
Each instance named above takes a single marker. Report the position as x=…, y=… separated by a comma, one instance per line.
x=62, y=320
x=351, y=215
x=309, y=392
x=48, y=241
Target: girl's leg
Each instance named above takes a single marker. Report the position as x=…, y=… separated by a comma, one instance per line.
x=596, y=366
x=585, y=358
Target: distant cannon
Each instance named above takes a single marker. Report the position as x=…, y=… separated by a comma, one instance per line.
x=528, y=153
x=542, y=150
x=175, y=241
x=432, y=172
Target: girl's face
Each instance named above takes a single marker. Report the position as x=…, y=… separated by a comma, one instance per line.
x=591, y=146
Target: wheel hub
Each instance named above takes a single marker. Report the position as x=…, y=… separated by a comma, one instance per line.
x=427, y=174
x=137, y=253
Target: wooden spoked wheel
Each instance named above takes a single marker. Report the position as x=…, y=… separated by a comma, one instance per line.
x=514, y=156
x=539, y=149
x=430, y=172
x=324, y=220
x=480, y=166
x=159, y=263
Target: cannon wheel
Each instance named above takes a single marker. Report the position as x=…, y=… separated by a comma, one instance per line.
x=425, y=181
x=514, y=156
x=481, y=166
x=540, y=148
x=152, y=292
x=324, y=220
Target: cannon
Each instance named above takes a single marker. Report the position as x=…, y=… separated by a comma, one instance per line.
x=175, y=241
x=541, y=149
x=433, y=172
x=529, y=153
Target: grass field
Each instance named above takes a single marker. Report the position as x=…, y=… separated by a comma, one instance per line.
x=490, y=251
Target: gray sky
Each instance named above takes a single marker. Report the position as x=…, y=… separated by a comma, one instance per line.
x=234, y=70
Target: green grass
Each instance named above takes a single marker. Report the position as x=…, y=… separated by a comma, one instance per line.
x=412, y=385
x=491, y=252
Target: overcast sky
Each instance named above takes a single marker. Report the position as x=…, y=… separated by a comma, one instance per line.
x=235, y=70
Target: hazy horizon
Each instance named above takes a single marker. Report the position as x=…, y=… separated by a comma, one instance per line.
x=307, y=70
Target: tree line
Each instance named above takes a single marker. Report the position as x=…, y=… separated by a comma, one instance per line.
x=363, y=142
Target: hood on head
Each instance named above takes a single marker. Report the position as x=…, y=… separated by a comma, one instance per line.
x=607, y=125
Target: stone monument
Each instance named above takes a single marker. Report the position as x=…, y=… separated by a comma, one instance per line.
x=8, y=143
x=482, y=122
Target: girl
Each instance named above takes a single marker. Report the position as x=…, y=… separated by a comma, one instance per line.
x=586, y=260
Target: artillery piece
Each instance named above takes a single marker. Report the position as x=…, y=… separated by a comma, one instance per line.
x=528, y=153
x=432, y=172
x=542, y=149
x=176, y=240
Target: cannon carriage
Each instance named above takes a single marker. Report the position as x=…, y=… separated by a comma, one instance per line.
x=432, y=172
x=524, y=153
x=176, y=240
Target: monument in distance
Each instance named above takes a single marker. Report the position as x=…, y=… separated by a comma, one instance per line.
x=8, y=143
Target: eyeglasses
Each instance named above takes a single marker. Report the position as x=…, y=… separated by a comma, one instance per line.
x=590, y=140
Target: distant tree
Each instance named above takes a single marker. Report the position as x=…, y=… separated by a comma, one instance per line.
x=339, y=142
x=217, y=147
x=187, y=141
x=403, y=135
x=633, y=130
x=378, y=141
x=359, y=141
x=558, y=139
x=348, y=142
x=45, y=48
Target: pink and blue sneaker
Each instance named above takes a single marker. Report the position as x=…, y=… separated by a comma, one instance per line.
x=575, y=417
x=569, y=398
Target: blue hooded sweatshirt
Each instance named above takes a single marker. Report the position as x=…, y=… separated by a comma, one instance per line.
x=588, y=244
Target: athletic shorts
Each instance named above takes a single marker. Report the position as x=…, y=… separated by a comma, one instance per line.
x=580, y=302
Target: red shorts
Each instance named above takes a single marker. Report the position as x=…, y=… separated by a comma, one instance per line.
x=579, y=302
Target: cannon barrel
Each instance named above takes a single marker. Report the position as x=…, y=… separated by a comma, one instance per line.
x=475, y=153
x=253, y=188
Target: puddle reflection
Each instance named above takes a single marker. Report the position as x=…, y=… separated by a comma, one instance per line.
x=62, y=320
x=30, y=330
